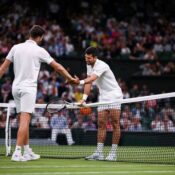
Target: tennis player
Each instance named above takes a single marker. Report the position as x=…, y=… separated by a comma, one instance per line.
x=27, y=58
x=100, y=73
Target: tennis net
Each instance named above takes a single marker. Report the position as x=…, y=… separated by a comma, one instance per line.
x=147, y=130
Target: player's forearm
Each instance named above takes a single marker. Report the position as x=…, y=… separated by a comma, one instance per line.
x=89, y=79
x=87, y=88
x=4, y=67
x=1, y=72
x=65, y=73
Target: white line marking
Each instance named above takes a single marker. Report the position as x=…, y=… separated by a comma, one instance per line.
x=75, y=166
x=95, y=172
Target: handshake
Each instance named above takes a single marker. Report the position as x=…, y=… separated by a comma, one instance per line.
x=74, y=80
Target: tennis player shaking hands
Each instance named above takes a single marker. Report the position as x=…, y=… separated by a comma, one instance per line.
x=27, y=58
x=109, y=91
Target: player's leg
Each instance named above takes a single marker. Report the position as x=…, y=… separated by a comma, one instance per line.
x=28, y=98
x=115, y=121
x=17, y=154
x=101, y=136
x=24, y=120
x=22, y=134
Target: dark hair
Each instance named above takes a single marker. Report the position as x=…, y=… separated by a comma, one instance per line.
x=91, y=51
x=36, y=31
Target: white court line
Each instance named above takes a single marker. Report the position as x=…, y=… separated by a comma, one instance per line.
x=77, y=166
x=94, y=172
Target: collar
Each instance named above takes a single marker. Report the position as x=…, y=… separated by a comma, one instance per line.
x=31, y=41
x=96, y=62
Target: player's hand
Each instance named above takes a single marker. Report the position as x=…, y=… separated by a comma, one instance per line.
x=82, y=103
x=74, y=81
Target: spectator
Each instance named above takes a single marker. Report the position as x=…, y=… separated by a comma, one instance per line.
x=78, y=94
x=89, y=125
x=78, y=123
x=168, y=124
x=125, y=121
x=58, y=125
x=38, y=120
x=157, y=123
x=135, y=124
x=134, y=92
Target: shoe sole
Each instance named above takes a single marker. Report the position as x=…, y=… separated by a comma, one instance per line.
x=93, y=159
x=33, y=159
x=36, y=158
x=111, y=160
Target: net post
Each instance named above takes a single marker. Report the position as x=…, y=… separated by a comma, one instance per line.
x=8, y=133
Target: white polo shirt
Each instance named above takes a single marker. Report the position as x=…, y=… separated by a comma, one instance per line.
x=106, y=82
x=27, y=58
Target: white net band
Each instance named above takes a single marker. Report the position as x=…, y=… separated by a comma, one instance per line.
x=120, y=101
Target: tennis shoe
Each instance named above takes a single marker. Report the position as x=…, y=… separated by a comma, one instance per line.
x=111, y=157
x=17, y=157
x=95, y=156
x=30, y=155
x=72, y=143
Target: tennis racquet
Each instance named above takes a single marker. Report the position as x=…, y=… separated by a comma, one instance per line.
x=55, y=105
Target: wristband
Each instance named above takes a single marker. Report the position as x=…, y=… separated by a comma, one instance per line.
x=82, y=82
x=85, y=96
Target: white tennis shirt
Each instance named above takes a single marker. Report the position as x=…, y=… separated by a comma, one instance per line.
x=106, y=82
x=27, y=58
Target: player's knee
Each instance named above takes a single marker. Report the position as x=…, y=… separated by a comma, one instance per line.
x=22, y=129
x=115, y=123
x=101, y=124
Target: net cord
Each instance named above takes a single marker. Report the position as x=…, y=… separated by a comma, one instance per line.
x=121, y=101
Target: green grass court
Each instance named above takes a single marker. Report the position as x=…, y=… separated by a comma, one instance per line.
x=159, y=156
x=124, y=153
x=80, y=167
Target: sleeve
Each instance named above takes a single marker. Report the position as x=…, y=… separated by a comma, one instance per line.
x=99, y=70
x=45, y=56
x=10, y=55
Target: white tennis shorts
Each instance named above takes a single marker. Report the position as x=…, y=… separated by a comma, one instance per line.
x=110, y=106
x=24, y=99
x=112, y=98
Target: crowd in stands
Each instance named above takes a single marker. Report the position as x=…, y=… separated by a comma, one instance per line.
x=139, y=32
x=14, y=28
x=157, y=69
x=148, y=33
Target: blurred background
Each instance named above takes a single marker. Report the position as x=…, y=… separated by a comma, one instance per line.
x=135, y=37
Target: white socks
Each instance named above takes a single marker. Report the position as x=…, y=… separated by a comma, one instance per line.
x=114, y=148
x=19, y=148
x=26, y=147
x=100, y=147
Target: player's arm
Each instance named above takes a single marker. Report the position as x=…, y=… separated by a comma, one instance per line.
x=60, y=69
x=89, y=79
x=87, y=86
x=4, y=67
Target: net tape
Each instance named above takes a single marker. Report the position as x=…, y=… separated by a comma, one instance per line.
x=120, y=101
